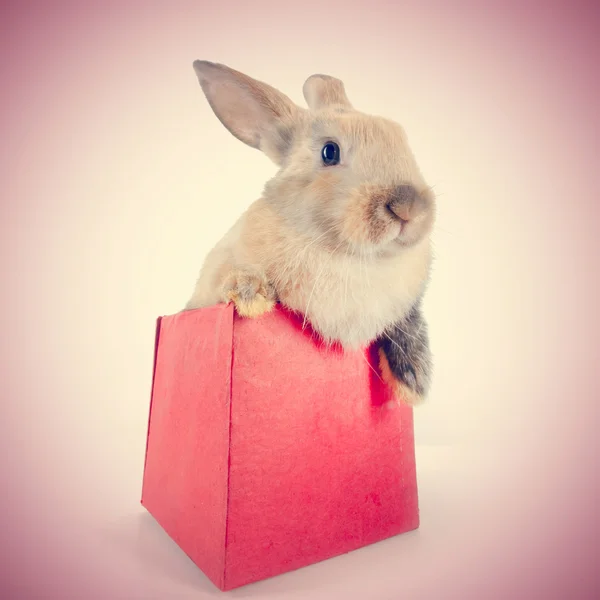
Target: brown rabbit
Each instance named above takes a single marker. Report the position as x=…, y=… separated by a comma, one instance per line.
x=341, y=234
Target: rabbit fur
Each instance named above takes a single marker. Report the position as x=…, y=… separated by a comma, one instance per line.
x=346, y=245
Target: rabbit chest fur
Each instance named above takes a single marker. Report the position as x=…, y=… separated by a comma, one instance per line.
x=348, y=297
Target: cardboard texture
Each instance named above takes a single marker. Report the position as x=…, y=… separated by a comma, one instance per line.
x=267, y=451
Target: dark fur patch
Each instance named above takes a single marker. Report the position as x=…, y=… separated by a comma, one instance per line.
x=401, y=200
x=284, y=139
x=406, y=347
x=378, y=222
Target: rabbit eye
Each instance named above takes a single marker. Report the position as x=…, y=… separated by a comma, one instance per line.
x=330, y=154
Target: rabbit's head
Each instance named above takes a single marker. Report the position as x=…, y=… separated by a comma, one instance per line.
x=346, y=179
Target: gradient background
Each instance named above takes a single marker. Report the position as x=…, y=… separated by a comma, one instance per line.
x=116, y=179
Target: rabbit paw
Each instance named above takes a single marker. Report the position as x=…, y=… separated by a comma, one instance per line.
x=250, y=292
x=403, y=382
x=405, y=358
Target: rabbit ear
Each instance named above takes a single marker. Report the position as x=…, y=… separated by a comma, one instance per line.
x=323, y=90
x=254, y=112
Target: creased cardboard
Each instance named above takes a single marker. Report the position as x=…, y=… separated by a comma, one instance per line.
x=268, y=451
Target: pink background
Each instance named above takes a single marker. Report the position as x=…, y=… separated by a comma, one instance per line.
x=116, y=179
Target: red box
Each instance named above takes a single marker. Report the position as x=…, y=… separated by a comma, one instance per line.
x=268, y=451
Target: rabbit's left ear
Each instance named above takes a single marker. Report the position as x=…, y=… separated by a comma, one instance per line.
x=322, y=90
x=254, y=112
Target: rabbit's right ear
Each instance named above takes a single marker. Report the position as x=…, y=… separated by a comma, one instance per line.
x=254, y=112
x=323, y=90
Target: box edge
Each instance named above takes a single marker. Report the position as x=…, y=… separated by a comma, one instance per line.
x=233, y=314
x=155, y=361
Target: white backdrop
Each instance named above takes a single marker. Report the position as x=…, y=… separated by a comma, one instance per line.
x=117, y=179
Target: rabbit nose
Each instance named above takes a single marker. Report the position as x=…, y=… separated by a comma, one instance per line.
x=401, y=201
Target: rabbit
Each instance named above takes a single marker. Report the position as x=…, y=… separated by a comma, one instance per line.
x=341, y=234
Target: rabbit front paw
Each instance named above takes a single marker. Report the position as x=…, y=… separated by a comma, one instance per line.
x=405, y=359
x=250, y=291
x=404, y=381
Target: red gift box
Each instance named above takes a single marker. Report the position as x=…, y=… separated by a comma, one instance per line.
x=268, y=451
